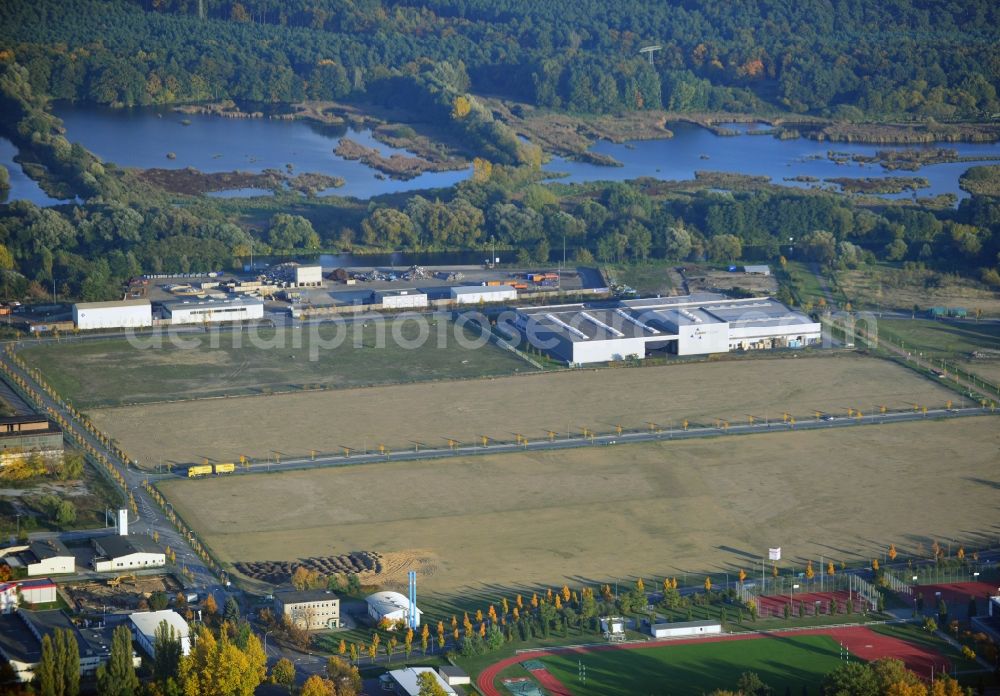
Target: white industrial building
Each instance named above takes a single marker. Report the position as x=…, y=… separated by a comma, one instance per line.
x=389, y=605
x=400, y=299
x=40, y=591
x=406, y=681
x=144, y=625
x=685, y=629
x=308, y=276
x=213, y=311
x=126, y=553
x=113, y=315
x=474, y=294
x=43, y=557
x=698, y=324
x=31, y=592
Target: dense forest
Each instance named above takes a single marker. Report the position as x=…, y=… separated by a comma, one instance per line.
x=846, y=59
x=126, y=227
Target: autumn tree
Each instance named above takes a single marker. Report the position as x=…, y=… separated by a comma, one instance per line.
x=429, y=685
x=318, y=686
x=283, y=673
x=344, y=675
x=810, y=573
x=708, y=584
x=209, y=606
x=425, y=635
x=892, y=552
x=216, y=665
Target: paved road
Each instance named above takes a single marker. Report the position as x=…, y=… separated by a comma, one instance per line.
x=693, y=432
x=150, y=517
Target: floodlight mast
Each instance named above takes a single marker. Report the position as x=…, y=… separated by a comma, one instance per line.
x=650, y=50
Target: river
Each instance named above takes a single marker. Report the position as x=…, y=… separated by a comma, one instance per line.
x=143, y=137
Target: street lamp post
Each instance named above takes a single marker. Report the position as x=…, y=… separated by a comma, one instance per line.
x=265, y=641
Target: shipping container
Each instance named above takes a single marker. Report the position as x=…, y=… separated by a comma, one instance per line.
x=493, y=283
x=226, y=468
x=201, y=470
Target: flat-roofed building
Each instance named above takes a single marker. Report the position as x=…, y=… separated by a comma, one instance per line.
x=313, y=610
x=113, y=315
x=400, y=299
x=22, y=436
x=475, y=294
x=21, y=635
x=144, y=625
x=698, y=324
x=40, y=591
x=213, y=311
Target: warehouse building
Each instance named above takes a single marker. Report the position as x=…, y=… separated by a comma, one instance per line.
x=400, y=299
x=40, y=591
x=22, y=436
x=389, y=605
x=112, y=315
x=144, y=625
x=43, y=557
x=474, y=294
x=213, y=311
x=698, y=324
x=313, y=610
x=133, y=552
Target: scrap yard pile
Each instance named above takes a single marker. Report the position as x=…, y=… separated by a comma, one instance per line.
x=277, y=572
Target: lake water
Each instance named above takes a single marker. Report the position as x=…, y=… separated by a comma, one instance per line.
x=694, y=148
x=22, y=187
x=143, y=137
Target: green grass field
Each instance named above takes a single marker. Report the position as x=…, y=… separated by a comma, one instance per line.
x=95, y=373
x=946, y=339
x=791, y=662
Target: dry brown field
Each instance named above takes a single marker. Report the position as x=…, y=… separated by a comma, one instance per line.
x=603, y=513
x=884, y=287
x=565, y=402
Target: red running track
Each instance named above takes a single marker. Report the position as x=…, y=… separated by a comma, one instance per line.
x=953, y=592
x=860, y=641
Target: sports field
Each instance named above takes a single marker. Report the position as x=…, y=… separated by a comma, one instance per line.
x=784, y=661
x=697, y=668
x=564, y=402
x=601, y=513
x=243, y=360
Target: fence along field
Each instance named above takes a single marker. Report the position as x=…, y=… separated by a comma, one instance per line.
x=601, y=513
x=501, y=408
